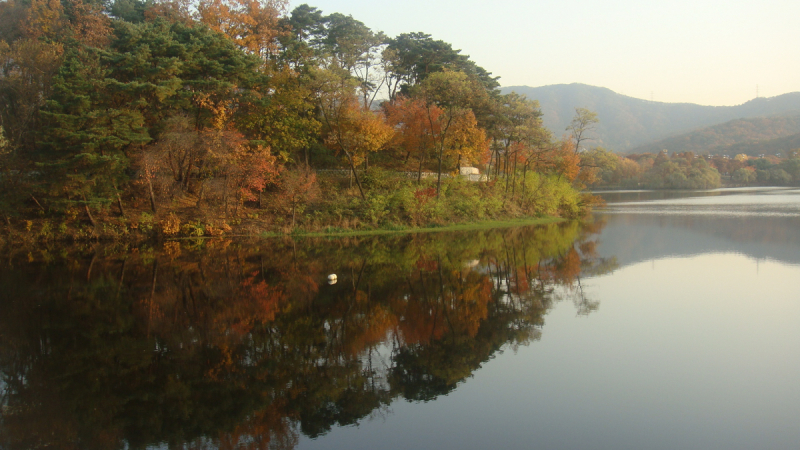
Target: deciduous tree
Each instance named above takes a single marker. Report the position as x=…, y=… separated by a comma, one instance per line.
x=416, y=132
x=351, y=129
x=581, y=126
x=452, y=93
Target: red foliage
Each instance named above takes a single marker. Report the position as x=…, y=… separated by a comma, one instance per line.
x=423, y=195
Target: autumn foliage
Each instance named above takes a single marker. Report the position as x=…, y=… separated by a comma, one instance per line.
x=120, y=115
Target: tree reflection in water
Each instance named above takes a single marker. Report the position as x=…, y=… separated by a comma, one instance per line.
x=245, y=345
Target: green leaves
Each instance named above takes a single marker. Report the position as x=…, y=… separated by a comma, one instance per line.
x=81, y=117
x=162, y=67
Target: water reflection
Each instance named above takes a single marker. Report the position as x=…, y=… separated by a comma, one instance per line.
x=245, y=345
x=732, y=202
x=761, y=223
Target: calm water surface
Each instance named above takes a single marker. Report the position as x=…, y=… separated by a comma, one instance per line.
x=671, y=322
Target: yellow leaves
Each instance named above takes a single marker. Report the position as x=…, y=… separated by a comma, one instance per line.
x=170, y=225
x=358, y=131
x=220, y=111
x=44, y=18
x=466, y=139
x=4, y=144
x=30, y=60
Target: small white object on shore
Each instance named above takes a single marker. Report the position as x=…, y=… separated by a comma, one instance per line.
x=332, y=278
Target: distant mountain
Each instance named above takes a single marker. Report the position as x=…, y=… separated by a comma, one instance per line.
x=627, y=122
x=756, y=136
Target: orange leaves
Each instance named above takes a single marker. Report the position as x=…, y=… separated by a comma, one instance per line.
x=251, y=24
x=89, y=24
x=243, y=168
x=424, y=195
x=370, y=328
x=261, y=300
x=428, y=265
x=298, y=188
x=568, y=164
x=217, y=161
x=421, y=127
x=415, y=124
x=254, y=169
x=560, y=159
x=571, y=265
x=82, y=21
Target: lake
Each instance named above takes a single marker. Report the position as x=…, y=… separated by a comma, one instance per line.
x=669, y=321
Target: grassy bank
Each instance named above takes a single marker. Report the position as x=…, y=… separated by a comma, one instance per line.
x=325, y=206
x=480, y=225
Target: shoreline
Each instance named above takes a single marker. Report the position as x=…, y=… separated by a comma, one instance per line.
x=35, y=240
x=463, y=226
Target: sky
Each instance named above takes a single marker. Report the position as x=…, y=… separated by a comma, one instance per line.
x=709, y=52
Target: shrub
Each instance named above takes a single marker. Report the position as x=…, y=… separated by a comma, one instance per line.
x=170, y=226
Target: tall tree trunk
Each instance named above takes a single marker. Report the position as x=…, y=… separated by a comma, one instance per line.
x=88, y=212
x=514, y=181
x=439, y=177
x=524, y=179
x=497, y=161
x=506, y=169
x=355, y=175
x=150, y=190
x=419, y=172
x=119, y=201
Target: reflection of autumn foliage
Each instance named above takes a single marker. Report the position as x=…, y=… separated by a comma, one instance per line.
x=569, y=267
x=268, y=429
x=247, y=347
x=256, y=303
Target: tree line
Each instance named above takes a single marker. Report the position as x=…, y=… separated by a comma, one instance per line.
x=686, y=170
x=125, y=115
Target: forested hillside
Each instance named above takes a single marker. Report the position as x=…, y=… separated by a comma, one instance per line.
x=170, y=117
x=627, y=122
x=757, y=136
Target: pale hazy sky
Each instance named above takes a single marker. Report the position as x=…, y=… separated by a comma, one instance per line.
x=710, y=52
